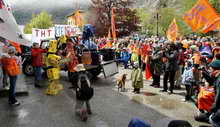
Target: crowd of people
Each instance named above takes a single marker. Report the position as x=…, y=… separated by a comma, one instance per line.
x=193, y=63
x=10, y=68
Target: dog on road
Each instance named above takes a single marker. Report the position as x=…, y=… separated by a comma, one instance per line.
x=121, y=82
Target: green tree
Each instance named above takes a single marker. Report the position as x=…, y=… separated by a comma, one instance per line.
x=41, y=21
x=126, y=19
x=145, y=21
x=215, y=4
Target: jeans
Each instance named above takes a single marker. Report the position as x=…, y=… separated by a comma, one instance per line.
x=171, y=76
x=38, y=74
x=12, y=88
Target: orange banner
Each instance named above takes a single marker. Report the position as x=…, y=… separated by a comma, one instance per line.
x=172, y=31
x=113, y=24
x=201, y=15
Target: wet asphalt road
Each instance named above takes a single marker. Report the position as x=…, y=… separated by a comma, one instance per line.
x=110, y=108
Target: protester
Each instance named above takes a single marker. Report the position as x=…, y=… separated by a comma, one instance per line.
x=156, y=66
x=215, y=110
x=124, y=58
x=187, y=79
x=171, y=68
x=216, y=49
x=84, y=93
x=37, y=63
x=11, y=65
x=181, y=63
x=137, y=78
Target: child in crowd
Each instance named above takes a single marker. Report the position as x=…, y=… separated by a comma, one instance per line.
x=11, y=66
x=137, y=78
x=187, y=78
x=84, y=93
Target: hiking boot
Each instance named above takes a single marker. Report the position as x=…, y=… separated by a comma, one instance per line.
x=156, y=86
x=37, y=85
x=152, y=85
x=170, y=92
x=163, y=91
x=89, y=112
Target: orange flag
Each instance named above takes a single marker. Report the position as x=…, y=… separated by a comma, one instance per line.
x=201, y=15
x=78, y=19
x=214, y=26
x=113, y=24
x=109, y=34
x=172, y=31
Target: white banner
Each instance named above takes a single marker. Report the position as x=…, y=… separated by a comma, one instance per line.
x=66, y=30
x=41, y=34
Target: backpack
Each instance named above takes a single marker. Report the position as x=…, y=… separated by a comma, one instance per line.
x=84, y=92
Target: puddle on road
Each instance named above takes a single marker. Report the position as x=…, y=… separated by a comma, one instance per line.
x=162, y=102
x=101, y=123
x=22, y=113
x=149, y=94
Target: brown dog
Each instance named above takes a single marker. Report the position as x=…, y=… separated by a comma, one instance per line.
x=121, y=82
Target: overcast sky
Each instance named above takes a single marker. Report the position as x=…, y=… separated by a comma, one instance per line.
x=45, y=3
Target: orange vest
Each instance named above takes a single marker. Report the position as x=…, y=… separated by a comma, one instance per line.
x=10, y=66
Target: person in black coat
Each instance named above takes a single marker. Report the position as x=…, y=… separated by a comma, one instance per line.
x=170, y=68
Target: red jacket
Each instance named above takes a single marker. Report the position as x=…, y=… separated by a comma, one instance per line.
x=36, y=57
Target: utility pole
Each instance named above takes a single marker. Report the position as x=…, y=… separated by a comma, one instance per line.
x=157, y=17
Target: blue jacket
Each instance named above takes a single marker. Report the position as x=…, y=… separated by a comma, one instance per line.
x=125, y=56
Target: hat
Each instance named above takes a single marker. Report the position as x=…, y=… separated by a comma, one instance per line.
x=80, y=67
x=215, y=64
x=11, y=49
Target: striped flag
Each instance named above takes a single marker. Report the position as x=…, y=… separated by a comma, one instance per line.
x=172, y=31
